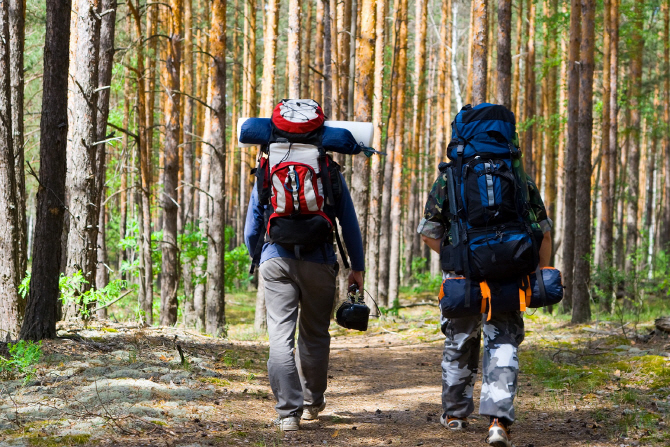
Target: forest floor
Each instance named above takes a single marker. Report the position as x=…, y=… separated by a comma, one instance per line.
x=116, y=384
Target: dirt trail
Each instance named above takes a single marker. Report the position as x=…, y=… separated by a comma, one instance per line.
x=120, y=386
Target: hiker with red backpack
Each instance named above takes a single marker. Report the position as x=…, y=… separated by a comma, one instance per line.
x=486, y=219
x=299, y=196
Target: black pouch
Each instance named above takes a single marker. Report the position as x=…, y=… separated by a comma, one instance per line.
x=502, y=255
x=451, y=259
x=307, y=231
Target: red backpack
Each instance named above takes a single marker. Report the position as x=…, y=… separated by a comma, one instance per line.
x=297, y=181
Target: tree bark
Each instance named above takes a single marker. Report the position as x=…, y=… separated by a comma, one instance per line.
x=215, y=308
x=581, y=310
x=665, y=225
x=294, y=49
x=569, y=223
x=376, y=176
x=17, y=36
x=42, y=308
x=81, y=172
x=305, y=49
x=170, y=259
x=480, y=51
x=394, y=258
x=603, y=252
x=516, y=74
x=11, y=306
x=552, y=115
x=633, y=142
x=319, y=68
x=269, y=59
x=529, y=91
x=144, y=152
x=363, y=95
x=504, y=68
x=336, y=94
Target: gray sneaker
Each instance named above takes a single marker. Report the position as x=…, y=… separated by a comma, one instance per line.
x=310, y=412
x=289, y=423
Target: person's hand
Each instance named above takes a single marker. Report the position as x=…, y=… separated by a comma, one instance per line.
x=356, y=278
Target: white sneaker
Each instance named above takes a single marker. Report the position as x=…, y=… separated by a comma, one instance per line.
x=499, y=434
x=310, y=412
x=289, y=423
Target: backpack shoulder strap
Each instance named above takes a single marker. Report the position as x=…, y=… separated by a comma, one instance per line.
x=328, y=186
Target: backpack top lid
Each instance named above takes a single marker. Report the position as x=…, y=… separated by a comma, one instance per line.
x=485, y=129
x=298, y=115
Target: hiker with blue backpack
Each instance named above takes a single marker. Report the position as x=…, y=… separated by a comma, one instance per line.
x=486, y=219
x=298, y=197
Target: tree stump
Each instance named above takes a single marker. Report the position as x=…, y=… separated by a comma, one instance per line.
x=663, y=324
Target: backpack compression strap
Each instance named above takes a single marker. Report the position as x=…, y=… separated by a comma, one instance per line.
x=325, y=180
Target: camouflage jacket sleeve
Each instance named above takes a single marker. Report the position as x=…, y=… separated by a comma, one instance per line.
x=537, y=205
x=434, y=225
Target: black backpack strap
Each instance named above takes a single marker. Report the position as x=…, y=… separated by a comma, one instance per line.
x=325, y=180
x=258, y=250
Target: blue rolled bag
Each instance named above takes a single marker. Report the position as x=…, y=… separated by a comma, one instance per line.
x=544, y=287
x=494, y=238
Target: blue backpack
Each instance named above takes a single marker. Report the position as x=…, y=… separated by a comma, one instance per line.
x=494, y=234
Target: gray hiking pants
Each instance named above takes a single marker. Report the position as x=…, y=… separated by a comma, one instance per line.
x=300, y=379
x=502, y=336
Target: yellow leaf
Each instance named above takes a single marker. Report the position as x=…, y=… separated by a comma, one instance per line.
x=337, y=432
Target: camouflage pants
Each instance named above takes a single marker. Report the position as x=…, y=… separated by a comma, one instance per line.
x=502, y=336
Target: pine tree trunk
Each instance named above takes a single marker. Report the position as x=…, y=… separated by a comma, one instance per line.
x=334, y=93
x=529, y=92
x=581, y=310
x=319, y=68
x=385, y=233
x=123, y=195
x=42, y=305
x=81, y=171
x=170, y=260
x=454, y=47
x=480, y=50
x=614, y=111
x=11, y=306
x=376, y=177
x=551, y=115
x=327, y=61
x=17, y=35
x=516, y=74
x=416, y=147
x=633, y=142
x=504, y=68
x=604, y=240
x=306, y=47
x=394, y=258
x=294, y=49
x=269, y=59
x=665, y=224
x=363, y=96
x=146, y=266
x=203, y=214
x=187, y=138
x=570, y=220
x=215, y=308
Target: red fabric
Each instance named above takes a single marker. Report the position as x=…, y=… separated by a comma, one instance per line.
x=307, y=184
x=289, y=126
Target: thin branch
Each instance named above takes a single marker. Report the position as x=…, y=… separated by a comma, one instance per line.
x=126, y=131
x=112, y=302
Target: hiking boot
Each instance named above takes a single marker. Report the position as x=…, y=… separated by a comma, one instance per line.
x=499, y=434
x=288, y=423
x=310, y=412
x=453, y=423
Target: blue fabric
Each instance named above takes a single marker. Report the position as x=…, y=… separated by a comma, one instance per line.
x=479, y=126
x=254, y=228
x=335, y=139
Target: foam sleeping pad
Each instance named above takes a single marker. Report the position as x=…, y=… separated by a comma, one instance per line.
x=335, y=139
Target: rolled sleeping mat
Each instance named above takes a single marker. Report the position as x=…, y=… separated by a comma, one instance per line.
x=339, y=136
x=501, y=296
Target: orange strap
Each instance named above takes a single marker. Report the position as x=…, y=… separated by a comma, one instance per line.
x=486, y=295
x=441, y=295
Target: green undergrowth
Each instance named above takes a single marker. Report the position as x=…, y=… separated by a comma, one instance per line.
x=61, y=441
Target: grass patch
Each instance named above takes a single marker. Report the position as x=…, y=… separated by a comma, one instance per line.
x=61, y=441
x=215, y=381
